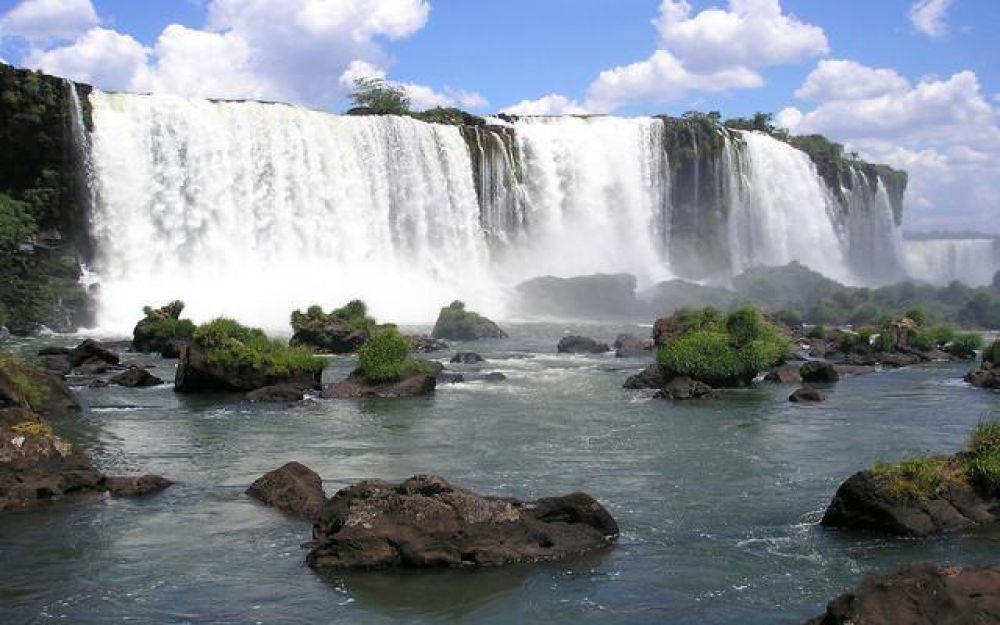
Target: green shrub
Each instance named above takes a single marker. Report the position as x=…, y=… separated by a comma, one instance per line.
x=984, y=454
x=854, y=342
x=917, y=478
x=229, y=344
x=886, y=340
x=724, y=351
x=985, y=439
x=379, y=97
x=354, y=314
x=918, y=314
x=16, y=223
x=965, y=344
x=817, y=332
x=386, y=357
x=991, y=354
x=789, y=316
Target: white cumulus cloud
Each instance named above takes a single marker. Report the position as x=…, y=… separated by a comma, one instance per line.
x=115, y=61
x=845, y=79
x=41, y=20
x=552, y=104
x=929, y=17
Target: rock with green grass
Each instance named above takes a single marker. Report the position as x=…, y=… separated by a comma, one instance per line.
x=926, y=494
x=988, y=374
x=721, y=351
x=23, y=385
x=341, y=331
x=386, y=369
x=225, y=356
x=162, y=330
x=455, y=323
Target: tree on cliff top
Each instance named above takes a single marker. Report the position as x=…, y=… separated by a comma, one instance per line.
x=379, y=97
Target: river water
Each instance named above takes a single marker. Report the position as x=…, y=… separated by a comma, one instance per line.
x=718, y=501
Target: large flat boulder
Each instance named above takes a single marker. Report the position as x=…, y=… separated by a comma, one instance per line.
x=920, y=594
x=455, y=323
x=357, y=387
x=195, y=373
x=574, y=344
x=426, y=521
x=293, y=488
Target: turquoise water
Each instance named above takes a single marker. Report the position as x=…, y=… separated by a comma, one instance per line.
x=718, y=501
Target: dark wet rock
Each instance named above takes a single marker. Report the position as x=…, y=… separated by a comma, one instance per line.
x=581, y=345
x=805, y=394
x=90, y=351
x=427, y=344
x=56, y=364
x=142, y=363
x=817, y=371
x=449, y=377
x=426, y=521
x=196, y=375
x=134, y=377
x=684, y=388
x=455, y=323
x=134, y=486
x=98, y=384
x=293, y=488
x=36, y=465
x=357, y=387
x=863, y=503
x=493, y=376
x=654, y=376
x=920, y=594
x=898, y=359
x=467, y=358
x=984, y=378
x=92, y=366
x=784, y=374
x=630, y=346
x=277, y=393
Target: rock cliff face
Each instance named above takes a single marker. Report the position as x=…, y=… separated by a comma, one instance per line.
x=42, y=174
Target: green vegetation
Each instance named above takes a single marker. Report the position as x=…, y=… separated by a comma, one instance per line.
x=965, y=344
x=724, y=351
x=386, y=358
x=991, y=355
x=160, y=327
x=918, y=478
x=817, y=332
x=925, y=476
x=23, y=380
x=789, y=316
x=228, y=344
x=16, y=223
x=33, y=428
x=354, y=315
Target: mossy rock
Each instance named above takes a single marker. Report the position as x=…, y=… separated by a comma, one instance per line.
x=455, y=323
x=26, y=386
x=162, y=330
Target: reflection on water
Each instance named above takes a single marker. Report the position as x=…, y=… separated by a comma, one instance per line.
x=718, y=500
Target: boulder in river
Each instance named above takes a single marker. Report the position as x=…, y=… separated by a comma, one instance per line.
x=26, y=386
x=356, y=386
x=574, y=344
x=806, y=394
x=920, y=594
x=467, y=358
x=455, y=323
x=988, y=374
x=426, y=521
x=341, y=331
x=292, y=488
x=422, y=344
x=162, y=330
x=630, y=346
x=277, y=394
x=684, y=388
x=653, y=376
x=818, y=371
x=91, y=351
x=784, y=374
x=134, y=377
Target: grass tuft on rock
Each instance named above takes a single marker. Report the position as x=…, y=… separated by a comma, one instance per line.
x=922, y=477
x=229, y=344
x=22, y=378
x=386, y=358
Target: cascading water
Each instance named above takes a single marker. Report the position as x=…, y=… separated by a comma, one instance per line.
x=594, y=191
x=939, y=261
x=874, y=241
x=251, y=210
x=782, y=211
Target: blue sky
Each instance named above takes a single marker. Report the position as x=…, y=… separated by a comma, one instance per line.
x=909, y=82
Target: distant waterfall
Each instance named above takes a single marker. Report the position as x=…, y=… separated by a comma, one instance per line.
x=940, y=261
x=251, y=209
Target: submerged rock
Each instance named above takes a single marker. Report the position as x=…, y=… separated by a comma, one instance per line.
x=920, y=594
x=135, y=377
x=818, y=371
x=277, y=393
x=455, y=323
x=357, y=387
x=684, y=388
x=581, y=345
x=427, y=344
x=467, y=358
x=293, y=488
x=806, y=393
x=653, y=376
x=426, y=521
x=134, y=486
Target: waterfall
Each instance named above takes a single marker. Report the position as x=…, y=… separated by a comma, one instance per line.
x=782, y=211
x=251, y=210
x=973, y=261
